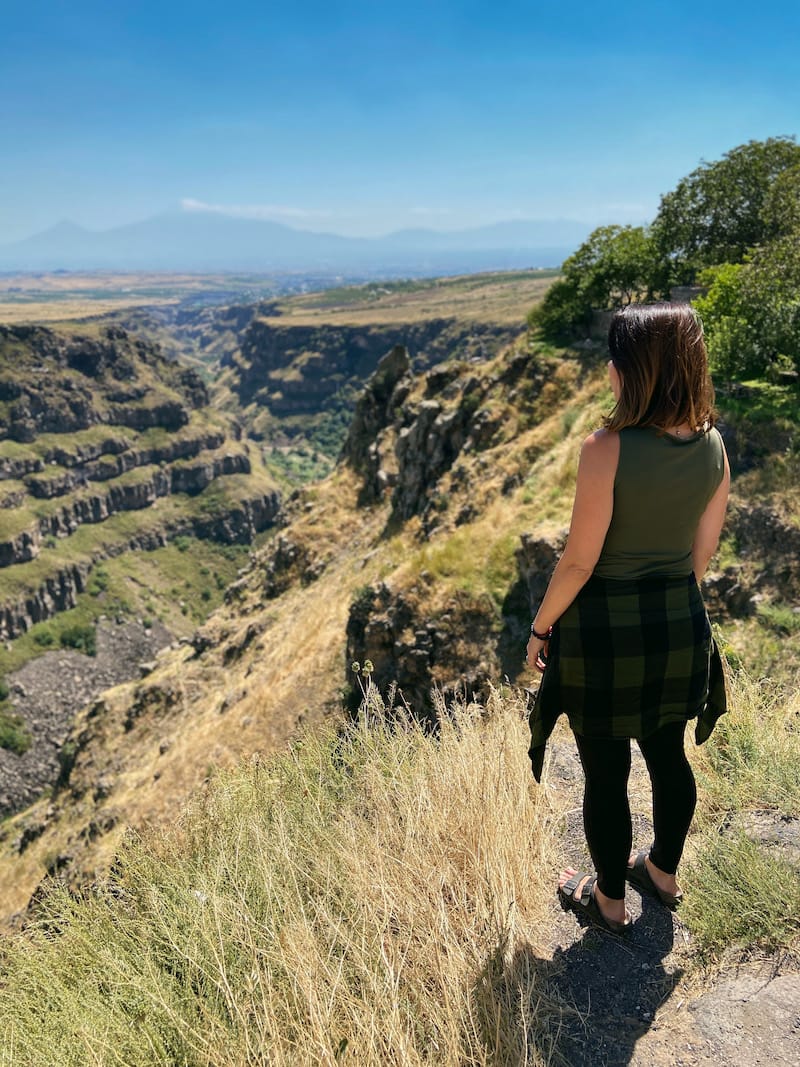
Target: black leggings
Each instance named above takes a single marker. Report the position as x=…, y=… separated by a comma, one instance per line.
x=607, y=813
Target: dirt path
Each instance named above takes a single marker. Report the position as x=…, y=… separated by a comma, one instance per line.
x=629, y=1000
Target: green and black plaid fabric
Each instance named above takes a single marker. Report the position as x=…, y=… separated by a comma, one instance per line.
x=627, y=657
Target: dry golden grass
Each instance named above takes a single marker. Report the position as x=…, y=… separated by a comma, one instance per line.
x=68, y=310
x=67, y=296
x=365, y=897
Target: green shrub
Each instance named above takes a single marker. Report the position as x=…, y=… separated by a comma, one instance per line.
x=80, y=637
x=98, y=583
x=44, y=638
x=779, y=617
x=14, y=734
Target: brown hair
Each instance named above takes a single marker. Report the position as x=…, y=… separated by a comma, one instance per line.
x=660, y=354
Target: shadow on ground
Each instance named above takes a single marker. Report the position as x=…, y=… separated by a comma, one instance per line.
x=593, y=1000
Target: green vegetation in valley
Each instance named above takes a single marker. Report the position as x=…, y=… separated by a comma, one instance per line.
x=178, y=585
x=293, y=466
x=14, y=734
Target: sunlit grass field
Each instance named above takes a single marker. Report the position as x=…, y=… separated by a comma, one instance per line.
x=367, y=897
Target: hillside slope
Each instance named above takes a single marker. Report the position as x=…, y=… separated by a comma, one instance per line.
x=111, y=462
x=421, y=553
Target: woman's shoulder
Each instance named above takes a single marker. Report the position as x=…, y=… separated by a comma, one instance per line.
x=600, y=449
x=713, y=439
x=603, y=441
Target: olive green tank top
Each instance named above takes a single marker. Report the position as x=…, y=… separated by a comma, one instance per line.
x=661, y=489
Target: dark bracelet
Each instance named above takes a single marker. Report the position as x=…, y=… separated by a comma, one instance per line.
x=542, y=637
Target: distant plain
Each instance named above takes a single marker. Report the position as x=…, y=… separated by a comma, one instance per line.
x=502, y=297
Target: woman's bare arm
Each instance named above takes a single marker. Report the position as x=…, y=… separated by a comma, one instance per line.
x=591, y=515
x=709, y=528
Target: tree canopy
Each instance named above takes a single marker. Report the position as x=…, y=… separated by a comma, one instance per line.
x=733, y=228
x=716, y=213
x=614, y=266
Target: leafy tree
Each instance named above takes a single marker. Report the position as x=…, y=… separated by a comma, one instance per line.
x=751, y=311
x=729, y=334
x=563, y=313
x=614, y=266
x=716, y=213
x=781, y=211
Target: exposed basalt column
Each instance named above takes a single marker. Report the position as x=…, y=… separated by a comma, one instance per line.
x=450, y=652
x=56, y=593
x=59, y=592
x=376, y=409
x=88, y=510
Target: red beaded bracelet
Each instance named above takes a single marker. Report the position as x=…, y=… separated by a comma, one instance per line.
x=542, y=637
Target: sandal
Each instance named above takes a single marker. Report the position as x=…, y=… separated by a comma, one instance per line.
x=586, y=906
x=639, y=876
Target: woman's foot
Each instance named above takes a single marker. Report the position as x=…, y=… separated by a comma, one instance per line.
x=644, y=874
x=612, y=911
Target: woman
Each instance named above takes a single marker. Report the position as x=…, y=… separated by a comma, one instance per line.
x=622, y=627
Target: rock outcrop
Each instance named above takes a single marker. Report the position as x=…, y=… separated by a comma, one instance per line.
x=295, y=372
x=376, y=409
x=451, y=652
x=55, y=383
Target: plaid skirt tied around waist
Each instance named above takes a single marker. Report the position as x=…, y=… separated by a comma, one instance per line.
x=626, y=658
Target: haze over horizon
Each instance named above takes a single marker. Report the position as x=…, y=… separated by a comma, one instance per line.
x=352, y=119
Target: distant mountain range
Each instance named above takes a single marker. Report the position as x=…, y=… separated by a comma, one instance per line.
x=208, y=241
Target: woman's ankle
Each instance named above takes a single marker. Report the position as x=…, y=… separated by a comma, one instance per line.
x=611, y=907
x=665, y=881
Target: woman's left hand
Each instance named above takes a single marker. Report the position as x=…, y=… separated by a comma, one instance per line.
x=536, y=654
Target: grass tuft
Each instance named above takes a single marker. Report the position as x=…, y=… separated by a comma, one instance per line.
x=740, y=896
x=358, y=899
x=752, y=759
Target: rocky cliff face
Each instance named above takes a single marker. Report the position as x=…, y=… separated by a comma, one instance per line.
x=237, y=523
x=293, y=373
x=52, y=383
x=96, y=426
x=417, y=443
x=408, y=432
x=452, y=652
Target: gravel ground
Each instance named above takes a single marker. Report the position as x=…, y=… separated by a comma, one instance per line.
x=49, y=690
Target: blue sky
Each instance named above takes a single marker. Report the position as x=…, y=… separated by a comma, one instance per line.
x=361, y=118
